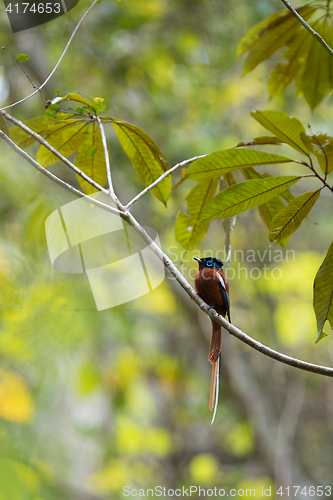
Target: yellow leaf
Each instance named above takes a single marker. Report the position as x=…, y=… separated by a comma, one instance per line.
x=16, y=403
x=93, y=165
x=317, y=76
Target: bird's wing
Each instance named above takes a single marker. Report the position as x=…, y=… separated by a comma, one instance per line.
x=225, y=295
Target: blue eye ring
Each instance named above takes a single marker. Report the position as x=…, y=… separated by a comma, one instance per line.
x=209, y=263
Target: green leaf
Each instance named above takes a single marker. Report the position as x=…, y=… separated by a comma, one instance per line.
x=290, y=218
x=22, y=57
x=287, y=128
x=284, y=73
x=92, y=164
x=81, y=110
x=189, y=230
x=145, y=157
x=3, y=125
x=275, y=36
x=65, y=140
x=91, y=151
x=200, y=195
x=251, y=173
x=259, y=141
x=72, y=96
x=317, y=76
x=99, y=104
x=38, y=125
x=245, y=195
x=321, y=145
x=323, y=293
x=269, y=209
x=227, y=160
x=57, y=92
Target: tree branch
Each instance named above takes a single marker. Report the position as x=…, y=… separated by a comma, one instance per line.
x=302, y=365
x=306, y=26
x=128, y=217
x=59, y=61
x=163, y=176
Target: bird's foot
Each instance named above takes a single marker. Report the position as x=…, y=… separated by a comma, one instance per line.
x=211, y=308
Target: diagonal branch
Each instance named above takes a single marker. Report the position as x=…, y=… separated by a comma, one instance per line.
x=306, y=26
x=163, y=176
x=128, y=217
x=59, y=61
x=302, y=365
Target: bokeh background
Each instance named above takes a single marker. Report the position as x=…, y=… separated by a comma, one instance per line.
x=93, y=401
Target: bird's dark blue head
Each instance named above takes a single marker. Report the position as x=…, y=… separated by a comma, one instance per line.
x=210, y=262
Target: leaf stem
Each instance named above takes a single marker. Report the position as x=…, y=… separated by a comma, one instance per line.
x=315, y=173
x=107, y=159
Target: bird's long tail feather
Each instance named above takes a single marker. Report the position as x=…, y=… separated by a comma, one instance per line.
x=214, y=353
x=217, y=390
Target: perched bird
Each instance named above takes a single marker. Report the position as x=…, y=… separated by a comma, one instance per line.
x=212, y=286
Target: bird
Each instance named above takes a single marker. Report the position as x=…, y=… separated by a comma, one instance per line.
x=212, y=286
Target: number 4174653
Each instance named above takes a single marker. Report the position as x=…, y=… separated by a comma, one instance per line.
x=40, y=8
x=311, y=491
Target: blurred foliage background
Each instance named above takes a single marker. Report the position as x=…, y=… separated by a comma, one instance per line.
x=93, y=401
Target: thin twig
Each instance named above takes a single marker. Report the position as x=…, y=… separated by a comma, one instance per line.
x=107, y=159
x=65, y=160
x=163, y=176
x=59, y=61
x=315, y=174
x=306, y=26
x=53, y=177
